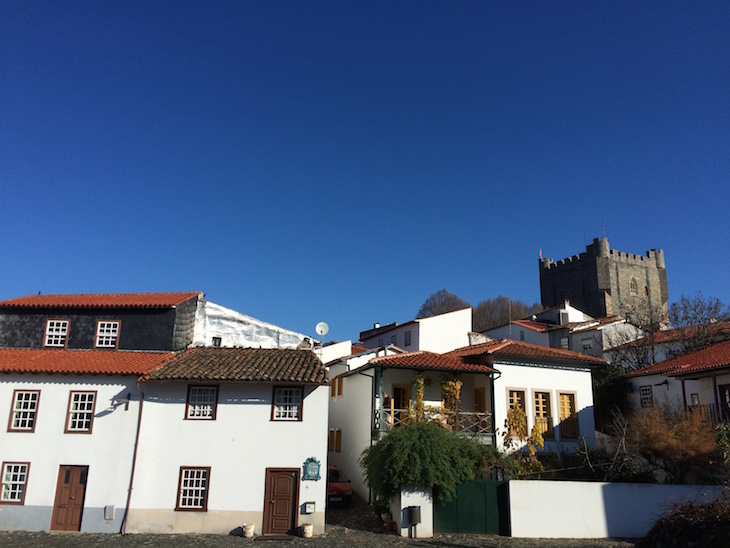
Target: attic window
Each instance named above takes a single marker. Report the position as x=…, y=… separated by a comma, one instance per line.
x=107, y=334
x=564, y=344
x=56, y=333
x=217, y=342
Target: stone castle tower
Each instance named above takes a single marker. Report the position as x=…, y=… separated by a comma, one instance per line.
x=604, y=282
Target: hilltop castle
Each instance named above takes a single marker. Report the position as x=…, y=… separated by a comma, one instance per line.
x=604, y=282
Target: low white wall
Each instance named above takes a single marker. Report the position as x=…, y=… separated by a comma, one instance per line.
x=413, y=496
x=567, y=509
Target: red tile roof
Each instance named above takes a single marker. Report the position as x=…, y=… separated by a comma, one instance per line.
x=716, y=356
x=510, y=348
x=430, y=360
x=102, y=300
x=101, y=362
x=243, y=364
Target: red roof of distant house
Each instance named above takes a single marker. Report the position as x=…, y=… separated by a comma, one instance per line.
x=430, y=360
x=510, y=348
x=102, y=300
x=716, y=356
x=97, y=362
x=358, y=348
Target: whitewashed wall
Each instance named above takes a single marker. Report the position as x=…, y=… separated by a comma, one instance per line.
x=668, y=390
x=553, y=380
x=513, y=332
x=445, y=332
x=238, y=446
x=413, y=496
x=565, y=509
x=107, y=451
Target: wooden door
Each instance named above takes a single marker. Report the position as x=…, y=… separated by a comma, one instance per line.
x=480, y=400
x=280, y=504
x=401, y=401
x=69, y=504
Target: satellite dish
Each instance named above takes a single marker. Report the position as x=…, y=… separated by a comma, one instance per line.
x=322, y=329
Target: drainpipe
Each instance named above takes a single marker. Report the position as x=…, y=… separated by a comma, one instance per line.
x=493, y=377
x=123, y=529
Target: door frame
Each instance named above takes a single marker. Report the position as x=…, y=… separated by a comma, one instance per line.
x=294, y=523
x=74, y=468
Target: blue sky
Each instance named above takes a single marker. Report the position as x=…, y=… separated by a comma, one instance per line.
x=341, y=161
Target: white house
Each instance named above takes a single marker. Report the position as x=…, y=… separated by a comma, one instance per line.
x=698, y=381
x=67, y=452
x=232, y=436
x=435, y=334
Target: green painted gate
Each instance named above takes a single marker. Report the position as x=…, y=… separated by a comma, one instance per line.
x=480, y=506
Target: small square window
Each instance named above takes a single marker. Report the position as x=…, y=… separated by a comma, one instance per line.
x=15, y=478
x=107, y=334
x=407, y=338
x=56, y=333
x=587, y=344
x=217, y=342
x=202, y=402
x=192, y=492
x=24, y=410
x=80, y=417
x=647, y=396
x=287, y=404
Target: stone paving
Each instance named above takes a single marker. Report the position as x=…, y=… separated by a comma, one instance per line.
x=346, y=528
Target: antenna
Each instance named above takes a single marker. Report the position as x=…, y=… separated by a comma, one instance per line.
x=322, y=329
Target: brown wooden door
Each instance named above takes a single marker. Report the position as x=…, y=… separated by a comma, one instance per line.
x=69, y=504
x=280, y=504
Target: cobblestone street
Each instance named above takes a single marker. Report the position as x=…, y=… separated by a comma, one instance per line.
x=346, y=528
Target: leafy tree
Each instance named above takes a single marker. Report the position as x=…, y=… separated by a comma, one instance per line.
x=440, y=303
x=698, y=321
x=635, y=345
x=424, y=454
x=499, y=311
x=610, y=395
x=522, y=447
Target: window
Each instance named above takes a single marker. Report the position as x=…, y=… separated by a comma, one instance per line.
x=217, y=342
x=695, y=399
x=393, y=339
x=407, y=340
x=587, y=344
x=646, y=291
x=632, y=286
x=287, y=404
x=568, y=418
x=202, y=402
x=380, y=342
x=192, y=492
x=56, y=333
x=564, y=343
x=107, y=333
x=647, y=396
x=517, y=399
x=80, y=412
x=334, y=443
x=543, y=420
x=336, y=387
x=15, y=478
x=522, y=334
x=24, y=411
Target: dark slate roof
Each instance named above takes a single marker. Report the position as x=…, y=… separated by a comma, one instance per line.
x=243, y=364
x=96, y=362
x=102, y=300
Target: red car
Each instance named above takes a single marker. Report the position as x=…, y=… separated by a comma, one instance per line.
x=338, y=487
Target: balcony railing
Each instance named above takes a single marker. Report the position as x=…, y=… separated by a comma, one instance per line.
x=713, y=414
x=470, y=423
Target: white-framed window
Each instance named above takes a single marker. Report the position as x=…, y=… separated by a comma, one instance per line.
x=192, y=492
x=80, y=417
x=564, y=343
x=202, y=402
x=107, y=333
x=56, y=333
x=646, y=395
x=334, y=444
x=24, y=411
x=287, y=404
x=407, y=338
x=587, y=343
x=15, y=478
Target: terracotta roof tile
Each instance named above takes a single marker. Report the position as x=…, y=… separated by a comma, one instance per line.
x=102, y=300
x=510, y=348
x=101, y=362
x=430, y=360
x=716, y=356
x=244, y=364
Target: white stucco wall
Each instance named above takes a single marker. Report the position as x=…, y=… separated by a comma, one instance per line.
x=668, y=390
x=421, y=497
x=531, y=336
x=445, y=332
x=239, y=445
x=107, y=450
x=547, y=379
x=566, y=509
